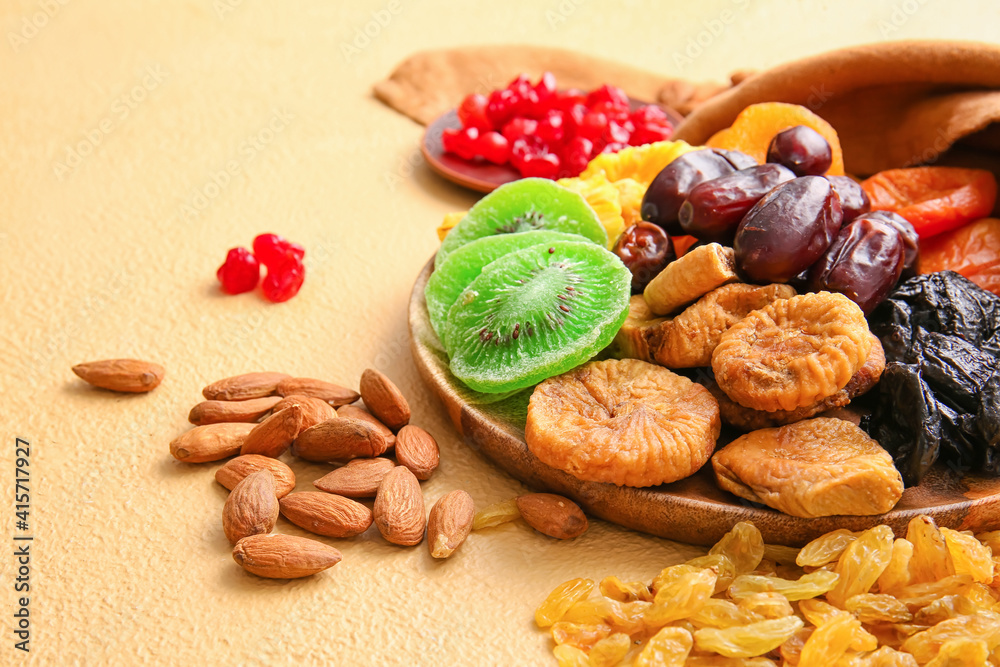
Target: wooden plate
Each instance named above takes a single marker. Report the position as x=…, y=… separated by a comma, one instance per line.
x=477, y=175
x=693, y=510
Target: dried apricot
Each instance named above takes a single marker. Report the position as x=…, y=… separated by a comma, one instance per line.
x=756, y=126
x=793, y=352
x=747, y=641
x=564, y=596
x=862, y=562
x=933, y=199
x=816, y=467
x=972, y=250
x=667, y=648
x=622, y=421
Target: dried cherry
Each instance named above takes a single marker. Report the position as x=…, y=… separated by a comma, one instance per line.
x=645, y=249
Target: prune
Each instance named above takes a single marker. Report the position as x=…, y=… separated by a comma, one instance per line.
x=863, y=263
x=713, y=209
x=853, y=199
x=667, y=192
x=645, y=249
x=801, y=149
x=911, y=241
x=907, y=421
x=788, y=230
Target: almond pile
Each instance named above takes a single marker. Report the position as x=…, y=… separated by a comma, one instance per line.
x=258, y=417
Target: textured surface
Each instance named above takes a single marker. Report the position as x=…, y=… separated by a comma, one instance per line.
x=115, y=254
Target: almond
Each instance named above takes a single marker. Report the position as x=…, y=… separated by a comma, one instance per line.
x=313, y=410
x=326, y=514
x=339, y=439
x=449, y=523
x=214, y=412
x=251, y=508
x=358, y=412
x=552, y=515
x=275, y=434
x=331, y=393
x=129, y=375
x=210, y=442
x=242, y=387
x=399, y=508
x=235, y=470
x=284, y=556
x=417, y=450
x=358, y=479
x=384, y=399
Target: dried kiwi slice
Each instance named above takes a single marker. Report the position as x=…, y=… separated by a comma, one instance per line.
x=468, y=261
x=521, y=206
x=536, y=313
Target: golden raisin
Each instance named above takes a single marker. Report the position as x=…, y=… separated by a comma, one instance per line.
x=793, y=352
x=890, y=657
x=742, y=545
x=616, y=589
x=831, y=641
x=897, y=572
x=747, y=641
x=969, y=555
x=667, y=648
x=564, y=596
x=610, y=650
x=496, y=514
x=719, y=613
x=964, y=652
x=680, y=598
x=791, y=650
x=767, y=605
x=568, y=655
x=581, y=635
x=878, y=608
x=724, y=569
x=861, y=564
x=781, y=554
x=825, y=548
x=926, y=645
x=944, y=608
x=807, y=586
x=931, y=560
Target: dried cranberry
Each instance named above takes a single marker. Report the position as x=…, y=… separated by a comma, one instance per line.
x=283, y=283
x=240, y=272
x=472, y=112
x=274, y=251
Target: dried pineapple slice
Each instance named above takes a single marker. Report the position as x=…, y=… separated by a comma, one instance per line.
x=641, y=163
x=622, y=421
x=604, y=198
x=817, y=467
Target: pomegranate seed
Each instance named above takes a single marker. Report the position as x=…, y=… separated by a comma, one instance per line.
x=612, y=95
x=493, y=147
x=240, y=272
x=273, y=250
x=283, y=283
x=499, y=108
x=472, y=112
x=518, y=128
x=544, y=165
x=460, y=142
x=576, y=155
x=593, y=125
x=551, y=129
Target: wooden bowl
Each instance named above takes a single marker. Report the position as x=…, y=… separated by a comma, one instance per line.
x=693, y=510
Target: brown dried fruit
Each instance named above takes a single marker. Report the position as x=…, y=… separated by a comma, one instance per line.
x=326, y=514
x=235, y=470
x=251, y=508
x=792, y=353
x=313, y=410
x=275, y=434
x=749, y=419
x=384, y=399
x=215, y=412
x=622, y=421
x=552, y=515
x=133, y=376
x=688, y=340
x=816, y=467
x=417, y=450
x=358, y=479
x=690, y=277
x=327, y=392
x=243, y=387
x=358, y=412
x=449, y=523
x=339, y=439
x=210, y=442
x=284, y=556
x=399, y=508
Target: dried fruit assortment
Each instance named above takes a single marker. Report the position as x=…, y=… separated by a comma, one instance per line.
x=545, y=132
x=844, y=599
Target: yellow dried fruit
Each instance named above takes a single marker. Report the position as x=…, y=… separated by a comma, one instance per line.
x=830, y=641
x=681, y=598
x=616, y=589
x=950, y=606
x=641, y=163
x=862, y=562
x=496, y=514
x=604, y=198
x=793, y=352
x=610, y=650
x=791, y=650
x=964, y=652
x=570, y=656
x=622, y=421
x=581, y=635
x=969, y=555
x=918, y=596
x=897, y=572
x=667, y=648
x=926, y=645
x=721, y=661
x=724, y=569
x=890, y=657
x=767, y=605
x=688, y=340
x=931, y=560
x=807, y=586
x=450, y=220
x=747, y=641
x=562, y=597
x=825, y=548
x=690, y=277
x=816, y=467
x=878, y=608
x=743, y=545
x=781, y=554
x=719, y=613
x=631, y=192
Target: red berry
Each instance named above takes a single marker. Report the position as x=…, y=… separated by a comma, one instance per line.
x=648, y=134
x=472, y=112
x=273, y=250
x=240, y=272
x=283, y=283
x=493, y=147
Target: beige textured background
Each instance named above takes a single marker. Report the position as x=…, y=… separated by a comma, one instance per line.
x=101, y=258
